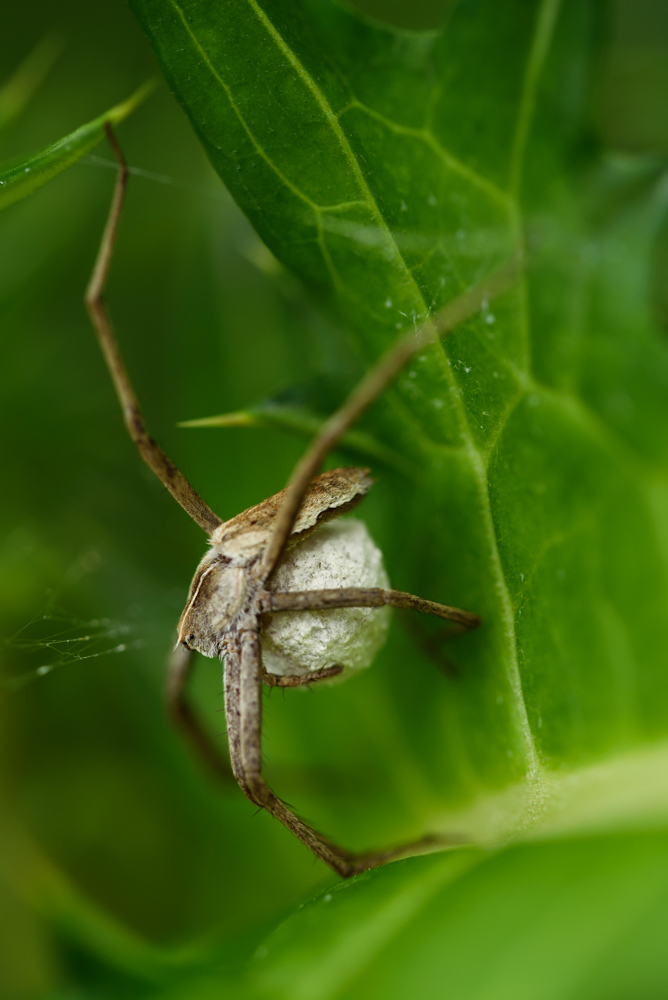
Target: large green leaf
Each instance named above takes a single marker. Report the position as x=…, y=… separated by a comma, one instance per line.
x=390, y=170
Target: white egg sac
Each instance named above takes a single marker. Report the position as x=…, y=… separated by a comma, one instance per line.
x=338, y=554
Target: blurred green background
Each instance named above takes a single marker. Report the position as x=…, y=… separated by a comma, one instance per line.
x=112, y=839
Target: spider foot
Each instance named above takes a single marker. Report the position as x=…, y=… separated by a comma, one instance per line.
x=350, y=864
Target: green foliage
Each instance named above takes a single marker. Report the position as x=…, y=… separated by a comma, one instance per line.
x=302, y=409
x=371, y=163
x=17, y=92
x=27, y=174
x=534, y=920
x=523, y=475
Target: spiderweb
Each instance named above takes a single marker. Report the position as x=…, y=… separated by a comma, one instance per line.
x=55, y=637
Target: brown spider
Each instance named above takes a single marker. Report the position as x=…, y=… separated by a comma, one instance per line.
x=231, y=588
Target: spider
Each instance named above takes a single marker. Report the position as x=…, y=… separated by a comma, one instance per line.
x=230, y=592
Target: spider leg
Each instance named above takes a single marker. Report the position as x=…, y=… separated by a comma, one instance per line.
x=363, y=597
x=182, y=715
x=371, y=386
x=299, y=680
x=243, y=708
x=156, y=459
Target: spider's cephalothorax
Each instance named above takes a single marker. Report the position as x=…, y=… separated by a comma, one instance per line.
x=232, y=590
x=225, y=594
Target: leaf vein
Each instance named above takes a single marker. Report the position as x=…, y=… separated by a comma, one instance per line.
x=426, y=136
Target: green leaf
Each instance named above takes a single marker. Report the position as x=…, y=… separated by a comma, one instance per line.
x=300, y=410
x=564, y=920
x=21, y=177
x=390, y=170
